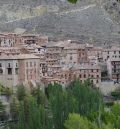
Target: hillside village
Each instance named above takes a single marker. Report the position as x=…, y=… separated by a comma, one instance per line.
x=59, y=64
x=32, y=59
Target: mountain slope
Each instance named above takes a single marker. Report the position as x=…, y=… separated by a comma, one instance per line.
x=89, y=21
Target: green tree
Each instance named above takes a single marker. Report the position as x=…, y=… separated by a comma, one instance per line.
x=116, y=93
x=39, y=95
x=72, y=1
x=115, y=109
x=75, y=121
x=108, y=126
x=14, y=108
x=88, y=99
x=8, y=92
x=108, y=117
x=32, y=115
x=2, y=112
x=61, y=104
x=21, y=92
x=112, y=117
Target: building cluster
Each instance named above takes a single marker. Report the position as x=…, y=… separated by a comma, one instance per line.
x=31, y=59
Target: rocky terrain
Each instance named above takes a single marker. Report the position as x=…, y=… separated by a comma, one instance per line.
x=88, y=20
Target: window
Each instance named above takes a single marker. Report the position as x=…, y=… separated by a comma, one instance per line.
x=92, y=70
x=16, y=70
x=34, y=63
x=98, y=76
x=26, y=64
x=27, y=71
x=97, y=70
x=0, y=64
x=1, y=71
x=9, y=79
x=8, y=64
x=92, y=81
x=84, y=75
x=108, y=52
x=114, y=52
x=114, y=66
x=71, y=57
x=97, y=81
x=9, y=71
x=30, y=64
x=80, y=76
x=107, y=57
x=16, y=65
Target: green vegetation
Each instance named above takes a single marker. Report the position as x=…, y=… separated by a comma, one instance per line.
x=79, y=106
x=72, y=1
x=5, y=91
x=2, y=112
x=116, y=94
x=118, y=0
x=75, y=121
x=21, y=92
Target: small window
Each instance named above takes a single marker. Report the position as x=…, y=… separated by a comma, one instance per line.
x=114, y=52
x=92, y=81
x=35, y=71
x=0, y=64
x=30, y=64
x=34, y=63
x=97, y=76
x=9, y=71
x=92, y=70
x=71, y=57
x=8, y=64
x=1, y=71
x=26, y=64
x=16, y=71
x=27, y=71
x=16, y=65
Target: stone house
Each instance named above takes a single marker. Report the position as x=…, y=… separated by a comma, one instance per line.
x=84, y=72
x=23, y=68
x=7, y=40
x=113, y=66
x=113, y=52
